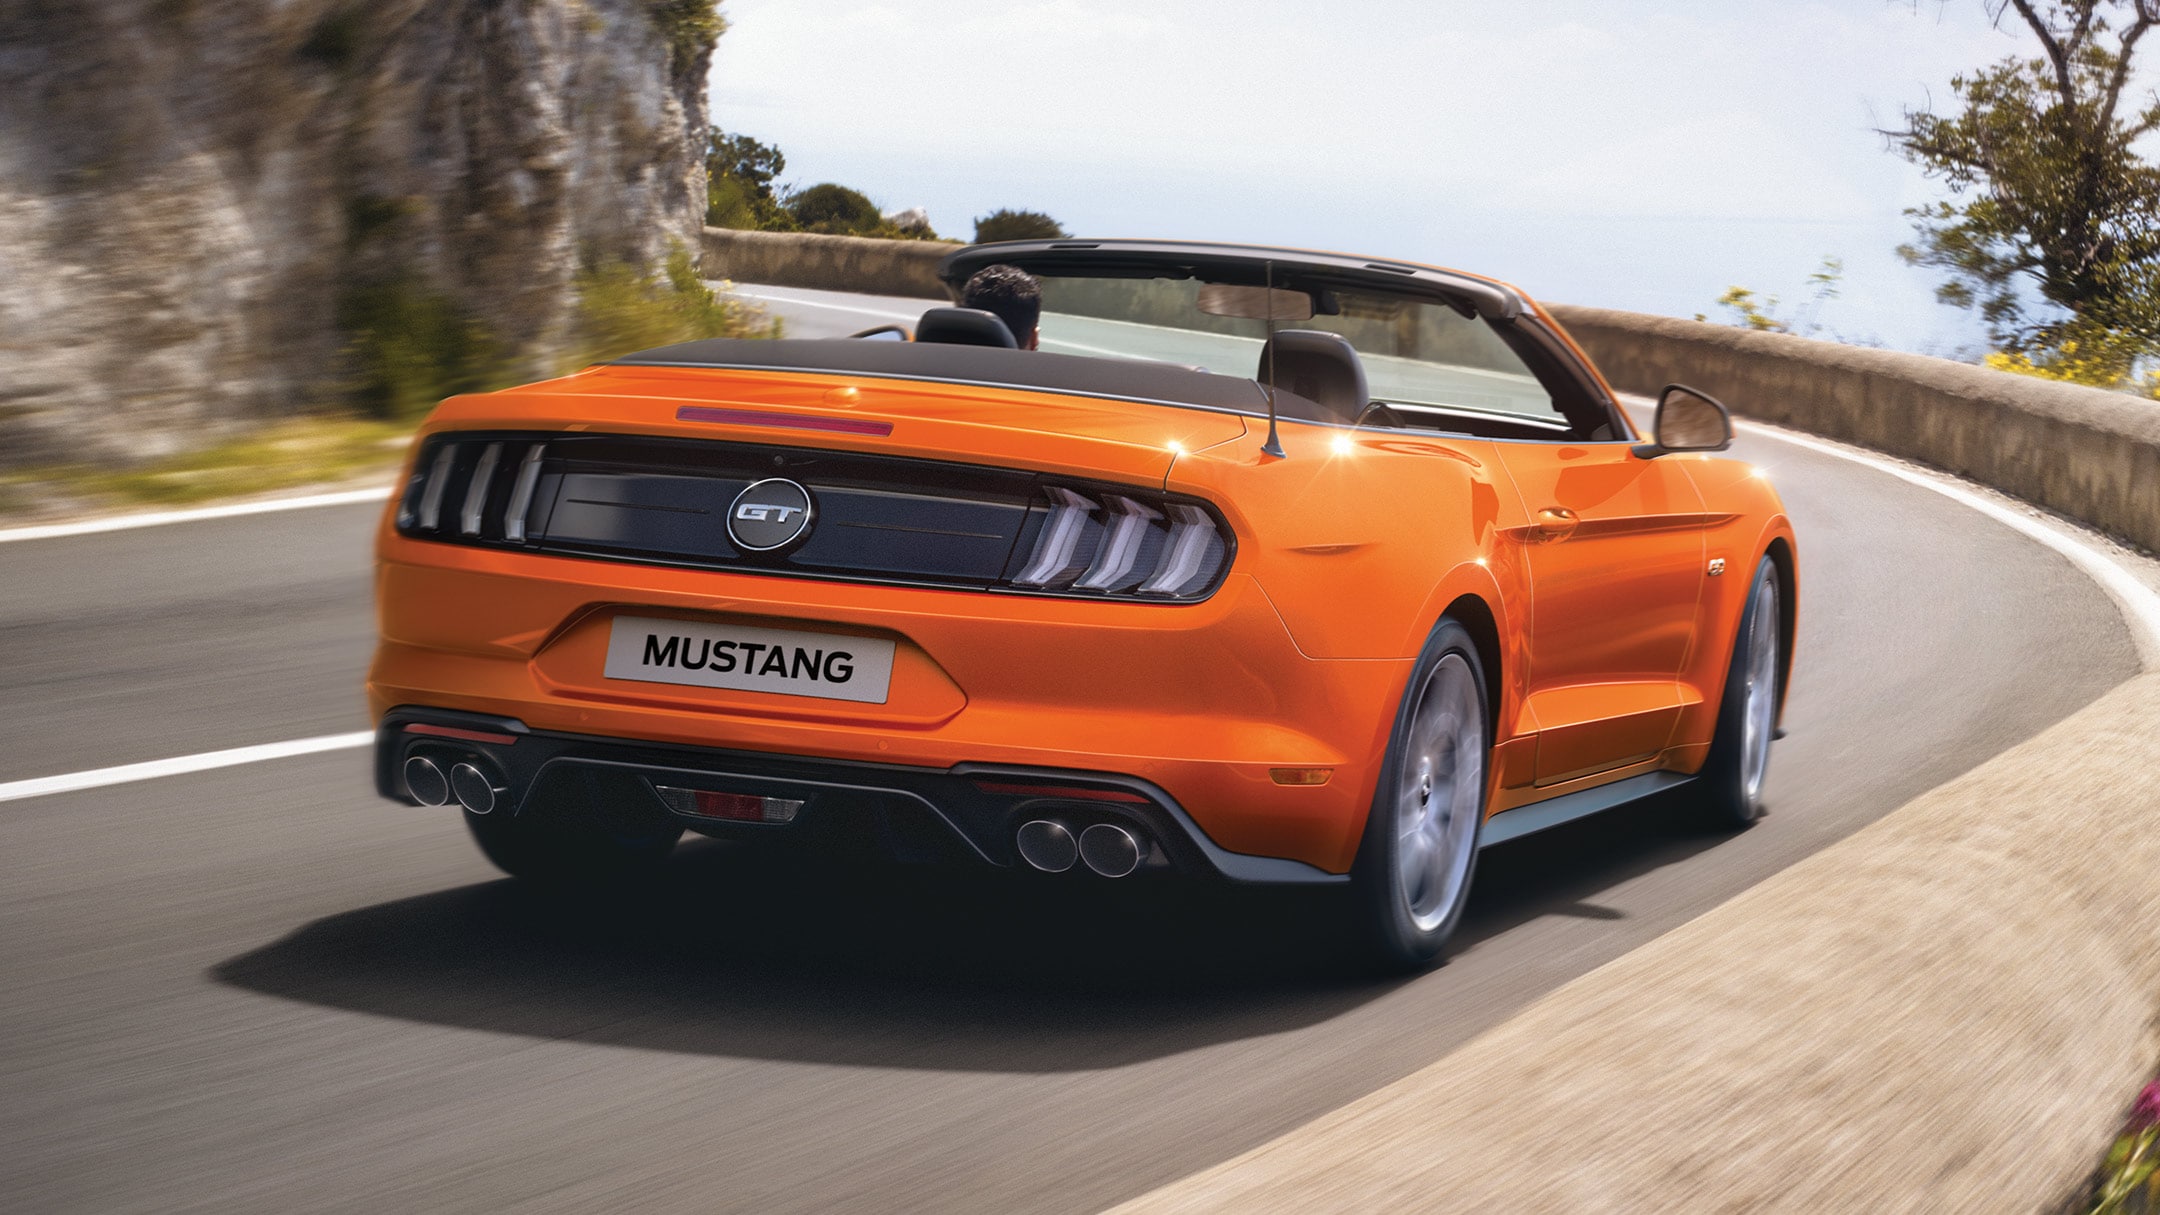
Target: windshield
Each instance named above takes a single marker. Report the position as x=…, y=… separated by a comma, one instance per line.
x=1419, y=356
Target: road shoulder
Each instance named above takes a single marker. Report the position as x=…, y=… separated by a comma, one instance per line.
x=1940, y=1012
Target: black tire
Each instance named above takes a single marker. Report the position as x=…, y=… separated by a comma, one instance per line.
x=1729, y=791
x=1407, y=905
x=558, y=851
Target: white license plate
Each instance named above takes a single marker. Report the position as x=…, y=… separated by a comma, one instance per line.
x=753, y=660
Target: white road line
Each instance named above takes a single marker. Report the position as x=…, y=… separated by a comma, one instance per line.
x=885, y=313
x=98, y=778
x=115, y=523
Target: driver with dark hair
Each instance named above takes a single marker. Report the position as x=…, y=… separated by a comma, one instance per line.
x=1010, y=294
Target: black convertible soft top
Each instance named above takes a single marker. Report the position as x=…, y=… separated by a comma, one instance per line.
x=987, y=366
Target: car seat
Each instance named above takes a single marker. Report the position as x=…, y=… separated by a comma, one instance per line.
x=964, y=327
x=1319, y=366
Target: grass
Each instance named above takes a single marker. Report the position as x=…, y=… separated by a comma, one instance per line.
x=412, y=349
x=2128, y=1183
x=620, y=309
x=303, y=451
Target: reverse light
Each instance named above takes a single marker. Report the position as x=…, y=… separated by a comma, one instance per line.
x=733, y=807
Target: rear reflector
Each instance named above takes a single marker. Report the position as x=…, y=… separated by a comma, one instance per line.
x=1300, y=776
x=480, y=736
x=734, y=807
x=1070, y=792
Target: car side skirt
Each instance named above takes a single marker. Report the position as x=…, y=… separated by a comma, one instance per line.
x=1566, y=808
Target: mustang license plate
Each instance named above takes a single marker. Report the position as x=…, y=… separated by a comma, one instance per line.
x=754, y=660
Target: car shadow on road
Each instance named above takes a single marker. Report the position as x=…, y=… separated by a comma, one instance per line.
x=738, y=952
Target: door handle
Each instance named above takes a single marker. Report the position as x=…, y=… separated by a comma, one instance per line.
x=1556, y=523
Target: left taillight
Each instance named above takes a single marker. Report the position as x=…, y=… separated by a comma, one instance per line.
x=476, y=491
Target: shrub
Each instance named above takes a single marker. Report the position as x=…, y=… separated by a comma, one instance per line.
x=408, y=346
x=621, y=309
x=2086, y=355
x=691, y=27
x=832, y=208
x=1007, y=224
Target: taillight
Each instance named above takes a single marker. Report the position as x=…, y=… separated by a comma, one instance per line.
x=1125, y=544
x=472, y=490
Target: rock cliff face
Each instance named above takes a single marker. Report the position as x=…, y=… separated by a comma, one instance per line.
x=202, y=201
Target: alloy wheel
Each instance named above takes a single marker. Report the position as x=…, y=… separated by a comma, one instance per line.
x=1441, y=794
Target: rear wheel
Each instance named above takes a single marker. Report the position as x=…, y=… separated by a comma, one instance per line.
x=558, y=851
x=1414, y=865
x=1730, y=787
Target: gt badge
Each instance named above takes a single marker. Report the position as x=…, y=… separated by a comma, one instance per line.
x=1717, y=566
x=770, y=514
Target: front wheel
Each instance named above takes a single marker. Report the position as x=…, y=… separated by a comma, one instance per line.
x=1730, y=788
x=1412, y=877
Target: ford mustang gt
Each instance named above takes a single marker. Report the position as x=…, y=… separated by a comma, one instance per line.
x=1267, y=566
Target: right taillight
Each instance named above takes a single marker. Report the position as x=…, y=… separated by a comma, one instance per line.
x=1122, y=543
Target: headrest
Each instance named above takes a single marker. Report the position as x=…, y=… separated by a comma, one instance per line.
x=1321, y=367
x=964, y=327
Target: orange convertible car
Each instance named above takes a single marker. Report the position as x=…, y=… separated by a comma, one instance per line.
x=1268, y=566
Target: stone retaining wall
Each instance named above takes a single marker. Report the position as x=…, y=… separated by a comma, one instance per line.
x=829, y=263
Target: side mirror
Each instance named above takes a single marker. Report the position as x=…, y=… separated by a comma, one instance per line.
x=1687, y=420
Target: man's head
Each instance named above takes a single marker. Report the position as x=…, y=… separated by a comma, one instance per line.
x=1012, y=295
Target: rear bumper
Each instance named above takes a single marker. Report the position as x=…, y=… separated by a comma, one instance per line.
x=978, y=806
x=1197, y=701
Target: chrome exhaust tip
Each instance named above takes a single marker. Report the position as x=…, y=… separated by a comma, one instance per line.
x=475, y=791
x=426, y=782
x=1110, y=850
x=1047, y=845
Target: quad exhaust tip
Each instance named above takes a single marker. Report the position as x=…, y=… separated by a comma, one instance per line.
x=1047, y=845
x=1110, y=850
x=475, y=791
x=426, y=782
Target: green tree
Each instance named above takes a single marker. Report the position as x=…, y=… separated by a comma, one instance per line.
x=1007, y=224
x=740, y=174
x=2052, y=232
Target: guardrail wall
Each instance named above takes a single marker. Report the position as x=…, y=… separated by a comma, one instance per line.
x=828, y=263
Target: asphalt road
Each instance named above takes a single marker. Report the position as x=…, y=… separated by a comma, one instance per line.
x=263, y=989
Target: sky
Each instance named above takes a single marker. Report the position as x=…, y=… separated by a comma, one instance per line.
x=1620, y=153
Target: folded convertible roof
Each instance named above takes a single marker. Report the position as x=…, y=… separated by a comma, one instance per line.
x=979, y=366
